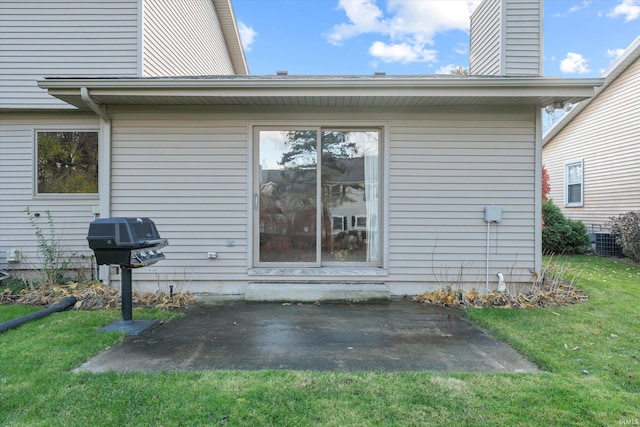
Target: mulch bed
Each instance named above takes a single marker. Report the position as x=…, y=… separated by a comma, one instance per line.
x=100, y=296
x=93, y=297
x=539, y=296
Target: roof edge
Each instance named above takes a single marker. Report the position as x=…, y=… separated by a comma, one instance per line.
x=249, y=90
x=309, y=82
x=231, y=34
x=617, y=67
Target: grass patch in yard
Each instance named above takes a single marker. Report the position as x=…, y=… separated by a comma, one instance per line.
x=38, y=389
x=600, y=336
x=10, y=312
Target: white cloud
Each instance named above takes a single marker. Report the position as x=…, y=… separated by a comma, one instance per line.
x=446, y=69
x=462, y=49
x=576, y=8
x=574, y=63
x=364, y=17
x=401, y=52
x=573, y=9
x=407, y=28
x=614, y=53
x=247, y=36
x=427, y=18
x=630, y=9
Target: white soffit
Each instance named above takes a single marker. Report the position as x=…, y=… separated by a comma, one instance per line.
x=332, y=91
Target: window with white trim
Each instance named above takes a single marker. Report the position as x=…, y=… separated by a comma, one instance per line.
x=573, y=183
x=66, y=162
x=317, y=193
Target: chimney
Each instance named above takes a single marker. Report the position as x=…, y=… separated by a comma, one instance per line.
x=507, y=38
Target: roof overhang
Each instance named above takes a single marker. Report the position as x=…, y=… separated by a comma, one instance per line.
x=231, y=35
x=323, y=91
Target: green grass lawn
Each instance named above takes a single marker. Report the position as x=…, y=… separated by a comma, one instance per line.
x=589, y=352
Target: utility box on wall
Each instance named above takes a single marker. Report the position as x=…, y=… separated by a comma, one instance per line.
x=492, y=213
x=14, y=255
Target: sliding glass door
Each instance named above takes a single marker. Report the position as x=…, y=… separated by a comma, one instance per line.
x=318, y=196
x=288, y=196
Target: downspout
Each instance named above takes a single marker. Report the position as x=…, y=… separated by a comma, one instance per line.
x=104, y=165
x=486, y=287
x=537, y=203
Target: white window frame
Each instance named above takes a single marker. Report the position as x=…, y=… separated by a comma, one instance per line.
x=254, y=129
x=340, y=218
x=568, y=183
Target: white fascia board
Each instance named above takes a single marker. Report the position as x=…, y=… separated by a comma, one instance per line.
x=322, y=82
x=617, y=67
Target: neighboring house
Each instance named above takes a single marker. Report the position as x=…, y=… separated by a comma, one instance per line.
x=592, y=154
x=260, y=169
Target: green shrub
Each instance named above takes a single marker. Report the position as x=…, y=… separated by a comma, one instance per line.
x=15, y=285
x=625, y=229
x=562, y=235
x=54, y=262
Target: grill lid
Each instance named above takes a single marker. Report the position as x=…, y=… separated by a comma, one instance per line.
x=123, y=233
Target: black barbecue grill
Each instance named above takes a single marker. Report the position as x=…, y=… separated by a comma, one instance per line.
x=127, y=242
x=130, y=243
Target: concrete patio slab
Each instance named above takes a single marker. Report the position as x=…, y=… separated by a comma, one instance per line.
x=400, y=335
x=310, y=292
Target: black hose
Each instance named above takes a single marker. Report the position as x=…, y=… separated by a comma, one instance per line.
x=61, y=306
x=4, y=274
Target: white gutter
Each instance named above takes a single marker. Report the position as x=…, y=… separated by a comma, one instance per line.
x=104, y=165
x=84, y=93
x=323, y=82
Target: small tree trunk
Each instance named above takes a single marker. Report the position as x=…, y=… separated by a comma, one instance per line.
x=328, y=235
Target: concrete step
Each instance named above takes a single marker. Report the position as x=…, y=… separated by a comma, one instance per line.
x=310, y=292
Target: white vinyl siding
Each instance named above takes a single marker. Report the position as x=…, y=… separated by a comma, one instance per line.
x=506, y=38
x=71, y=215
x=606, y=134
x=188, y=169
x=444, y=169
x=523, y=38
x=183, y=38
x=63, y=38
x=486, y=34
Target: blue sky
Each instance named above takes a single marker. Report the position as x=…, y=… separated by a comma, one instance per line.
x=361, y=37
